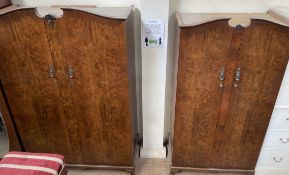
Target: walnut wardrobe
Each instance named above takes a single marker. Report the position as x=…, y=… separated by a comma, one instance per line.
x=67, y=83
x=229, y=71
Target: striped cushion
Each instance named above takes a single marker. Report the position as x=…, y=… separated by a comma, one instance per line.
x=20, y=163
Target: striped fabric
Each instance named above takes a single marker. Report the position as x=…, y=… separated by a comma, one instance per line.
x=20, y=163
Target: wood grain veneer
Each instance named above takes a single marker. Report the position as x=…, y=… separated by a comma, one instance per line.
x=86, y=117
x=223, y=128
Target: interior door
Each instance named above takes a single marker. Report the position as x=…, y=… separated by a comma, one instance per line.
x=262, y=59
x=94, y=49
x=203, y=53
x=29, y=84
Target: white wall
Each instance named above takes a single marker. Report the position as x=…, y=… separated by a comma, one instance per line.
x=234, y=6
x=154, y=61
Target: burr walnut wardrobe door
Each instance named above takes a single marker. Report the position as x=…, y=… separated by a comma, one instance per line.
x=97, y=66
x=260, y=67
x=203, y=54
x=29, y=83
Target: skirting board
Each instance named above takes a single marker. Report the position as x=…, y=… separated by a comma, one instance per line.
x=271, y=171
x=175, y=170
x=153, y=152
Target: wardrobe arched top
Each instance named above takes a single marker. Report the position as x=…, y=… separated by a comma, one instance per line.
x=107, y=12
x=235, y=19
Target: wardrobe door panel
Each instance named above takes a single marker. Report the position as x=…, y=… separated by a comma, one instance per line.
x=203, y=51
x=30, y=90
x=95, y=49
x=262, y=60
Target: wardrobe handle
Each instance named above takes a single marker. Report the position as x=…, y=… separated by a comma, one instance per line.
x=222, y=76
x=279, y=160
x=286, y=141
x=237, y=76
x=70, y=71
x=51, y=71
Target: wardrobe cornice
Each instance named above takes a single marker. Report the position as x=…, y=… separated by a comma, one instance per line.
x=108, y=12
x=243, y=19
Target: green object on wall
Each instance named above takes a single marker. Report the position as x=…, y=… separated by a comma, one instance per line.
x=153, y=41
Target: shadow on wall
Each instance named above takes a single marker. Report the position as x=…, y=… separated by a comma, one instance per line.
x=170, y=73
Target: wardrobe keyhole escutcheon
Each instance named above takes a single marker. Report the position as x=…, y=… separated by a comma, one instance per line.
x=50, y=20
x=50, y=14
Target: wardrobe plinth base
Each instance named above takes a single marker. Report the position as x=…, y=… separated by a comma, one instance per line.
x=128, y=169
x=176, y=170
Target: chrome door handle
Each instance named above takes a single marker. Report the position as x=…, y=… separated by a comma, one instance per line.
x=222, y=76
x=237, y=76
x=70, y=71
x=51, y=71
x=286, y=141
x=277, y=160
